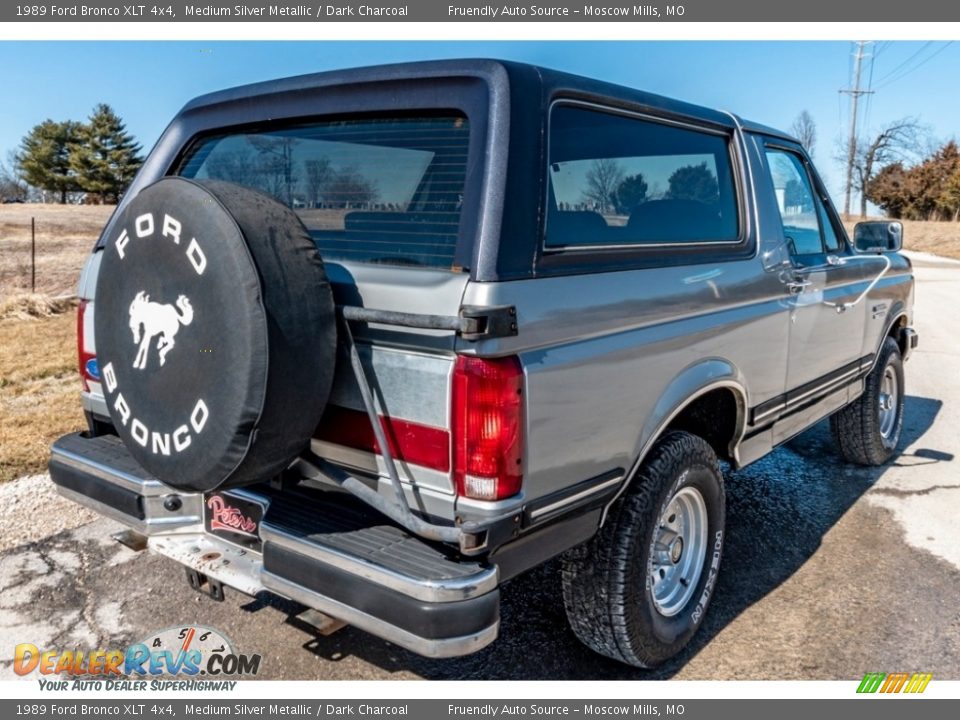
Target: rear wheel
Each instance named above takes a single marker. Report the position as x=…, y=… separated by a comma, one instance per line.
x=639, y=589
x=867, y=431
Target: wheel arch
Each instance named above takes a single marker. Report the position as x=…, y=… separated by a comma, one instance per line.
x=896, y=321
x=682, y=399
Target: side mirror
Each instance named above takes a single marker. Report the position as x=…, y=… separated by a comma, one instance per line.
x=878, y=236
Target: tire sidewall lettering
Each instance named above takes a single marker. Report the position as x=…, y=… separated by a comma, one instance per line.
x=712, y=573
x=896, y=362
x=688, y=620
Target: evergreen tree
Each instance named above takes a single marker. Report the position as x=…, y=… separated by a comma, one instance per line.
x=107, y=157
x=45, y=154
x=693, y=182
x=631, y=191
x=929, y=190
x=890, y=190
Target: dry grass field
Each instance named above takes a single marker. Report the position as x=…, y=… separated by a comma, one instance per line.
x=937, y=238
x=65, y=234
x=39, y=389
x=39, y=383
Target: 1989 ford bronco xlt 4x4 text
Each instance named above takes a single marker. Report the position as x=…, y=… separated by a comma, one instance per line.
x=379, y=340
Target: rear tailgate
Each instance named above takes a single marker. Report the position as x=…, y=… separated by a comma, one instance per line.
x=409, y=371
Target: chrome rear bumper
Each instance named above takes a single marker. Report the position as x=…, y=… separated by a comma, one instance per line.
x=323, y=550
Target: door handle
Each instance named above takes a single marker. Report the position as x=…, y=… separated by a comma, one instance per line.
x=798, y=286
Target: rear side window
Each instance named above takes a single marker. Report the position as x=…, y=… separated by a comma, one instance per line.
x=617, y=180
x=384, y=190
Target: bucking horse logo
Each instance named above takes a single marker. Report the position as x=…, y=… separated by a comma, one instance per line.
x=150, y=319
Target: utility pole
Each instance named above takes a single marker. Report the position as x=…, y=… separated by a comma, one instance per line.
x=855, y=92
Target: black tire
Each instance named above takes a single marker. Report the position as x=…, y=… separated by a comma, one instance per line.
x=215, y=332
x=857, y=428
x=607, y=586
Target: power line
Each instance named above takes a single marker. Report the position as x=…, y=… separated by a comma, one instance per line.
x=916, y=67
x=901, y=65
x=882, y=47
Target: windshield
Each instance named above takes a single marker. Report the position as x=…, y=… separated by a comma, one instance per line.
x=384, y=190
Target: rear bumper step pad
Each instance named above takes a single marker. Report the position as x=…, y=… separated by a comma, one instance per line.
x=350, y=562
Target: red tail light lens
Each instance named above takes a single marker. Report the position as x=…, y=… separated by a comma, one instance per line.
x=86, y=360
x=488, y=427
x=408, y=441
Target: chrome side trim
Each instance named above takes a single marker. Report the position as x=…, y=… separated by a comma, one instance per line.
x=770, y=411
x=547, y=509
x=448, y=647
x=438, y=591
x=825, y=388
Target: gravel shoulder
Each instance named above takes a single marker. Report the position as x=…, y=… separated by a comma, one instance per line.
x=33, y=510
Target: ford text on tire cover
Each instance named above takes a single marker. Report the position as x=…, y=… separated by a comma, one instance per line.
x=379, y=340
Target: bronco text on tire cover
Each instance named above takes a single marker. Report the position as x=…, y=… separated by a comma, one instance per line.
x=215, y=318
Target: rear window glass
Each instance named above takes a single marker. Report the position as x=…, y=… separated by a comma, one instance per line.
x=618, y=180
x=385, y=190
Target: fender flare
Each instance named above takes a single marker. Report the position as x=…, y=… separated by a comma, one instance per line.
x=691, y=383
x=898, y=311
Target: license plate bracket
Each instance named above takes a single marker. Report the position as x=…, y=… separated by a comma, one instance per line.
x=234, y=517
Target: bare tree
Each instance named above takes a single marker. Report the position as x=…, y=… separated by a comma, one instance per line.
x=12, y=185
x=603, y=179
x=348, y=188
x=277, y=165
x=317, y=174
x=237, y=166
x=898, y=141
x=805, y=130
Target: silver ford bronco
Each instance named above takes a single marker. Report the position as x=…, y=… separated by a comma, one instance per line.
x=379, y=340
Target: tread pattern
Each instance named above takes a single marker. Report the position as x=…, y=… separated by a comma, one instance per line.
x=856, y=427
x=599, y=587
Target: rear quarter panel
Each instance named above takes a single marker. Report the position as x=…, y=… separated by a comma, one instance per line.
x=609, y=357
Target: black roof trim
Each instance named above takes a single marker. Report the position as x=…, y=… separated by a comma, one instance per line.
x=494, y=71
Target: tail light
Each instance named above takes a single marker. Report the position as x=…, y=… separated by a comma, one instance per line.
x=408, y=441
x=87, y=360
x=487, y=427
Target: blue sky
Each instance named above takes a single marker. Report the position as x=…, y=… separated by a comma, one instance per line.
x=770, y=82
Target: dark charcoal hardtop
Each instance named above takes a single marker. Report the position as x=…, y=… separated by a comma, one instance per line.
x=506, y=103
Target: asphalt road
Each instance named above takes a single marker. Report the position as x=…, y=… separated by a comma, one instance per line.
x=830, y=571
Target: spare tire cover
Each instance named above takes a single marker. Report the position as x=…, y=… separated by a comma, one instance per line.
x=215, y=333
